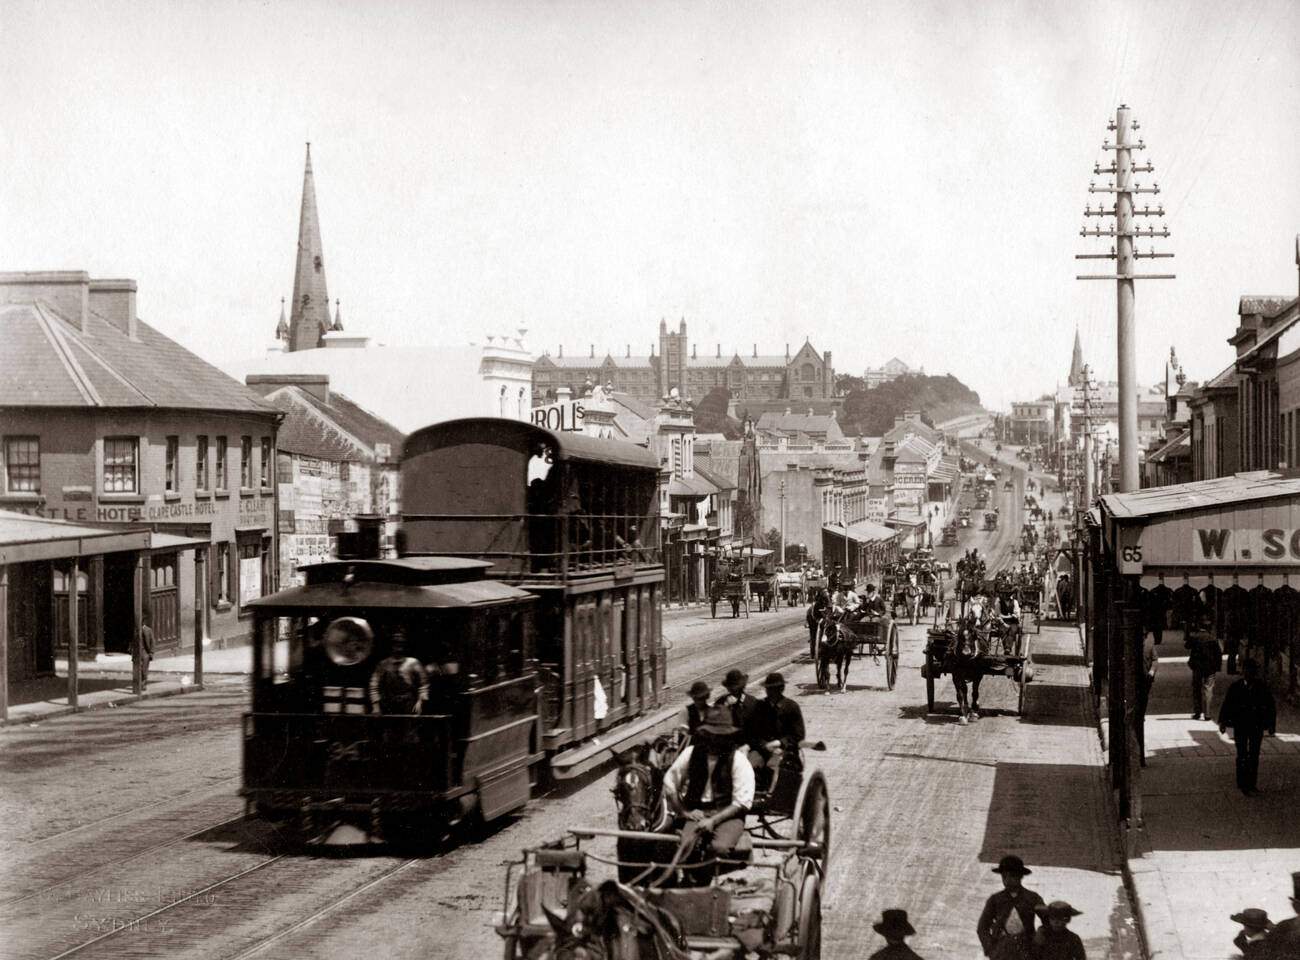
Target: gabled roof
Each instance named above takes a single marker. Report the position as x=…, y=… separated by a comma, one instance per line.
x=722, y=483
x=914, y=448
x=1179, y=445
x=795, y=423
x=51, y=363
x=337, y=430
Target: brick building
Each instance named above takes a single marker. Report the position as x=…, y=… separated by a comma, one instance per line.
x=107, y=421
x=335, y=462
x=805, y=374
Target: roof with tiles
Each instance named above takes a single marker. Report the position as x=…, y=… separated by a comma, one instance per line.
x=797, y=423
x=333, y=429
x=55, y=364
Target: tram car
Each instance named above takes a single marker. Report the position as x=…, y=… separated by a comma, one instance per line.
x=519, y=621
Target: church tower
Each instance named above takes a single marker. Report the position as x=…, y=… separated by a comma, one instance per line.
x=1076, y=362
x=672, y=358
x=309, y=312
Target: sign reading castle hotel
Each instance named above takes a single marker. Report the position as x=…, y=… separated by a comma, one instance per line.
x=802, y=375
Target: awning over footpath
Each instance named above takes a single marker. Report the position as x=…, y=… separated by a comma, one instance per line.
x=1245, y=528
x=864, y=531
x=25, y=538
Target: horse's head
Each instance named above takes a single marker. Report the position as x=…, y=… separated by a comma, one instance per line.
x=611, y=922
x=635, y=794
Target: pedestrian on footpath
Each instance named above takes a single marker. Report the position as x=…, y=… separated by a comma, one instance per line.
x=146, y=650
x=1205, y=657
x=1250, y=710
x=1253, y=940
x=1150, y=662
x=1284, y=940
x=1006, y=927
x=893, y=926
x=1055, y=941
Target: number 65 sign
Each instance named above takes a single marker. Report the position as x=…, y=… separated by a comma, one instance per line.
x=1130, y=551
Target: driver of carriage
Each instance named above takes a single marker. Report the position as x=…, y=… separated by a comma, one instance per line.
x=711, y=782
x=844, y=599
x=873, y=604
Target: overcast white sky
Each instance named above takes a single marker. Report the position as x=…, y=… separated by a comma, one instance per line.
x=885, y=178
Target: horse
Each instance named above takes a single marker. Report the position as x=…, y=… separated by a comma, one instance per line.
x=613, y=922
x=913, y=593
x=964, y=662
x=639, y=798
x=816, y=611
x=834, y=644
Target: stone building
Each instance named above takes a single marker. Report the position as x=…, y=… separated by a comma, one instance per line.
x=677, y=363
x=890, y=370
x=107, y=421
x=336, y=462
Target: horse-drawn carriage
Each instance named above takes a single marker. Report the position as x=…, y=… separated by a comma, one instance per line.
x=991, y=520
x=971, y=645
x=672, y=900
x=730, y=587
x=841, y=637
x=790, y=587
x=949, y=538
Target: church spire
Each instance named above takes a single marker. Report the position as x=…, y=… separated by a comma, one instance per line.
x=310, y=312
x=282, y=328
x=338, y=316
x=1076, y=362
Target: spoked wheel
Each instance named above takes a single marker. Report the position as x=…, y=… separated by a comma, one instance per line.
x=929, y=681
x=810, y=919
x=812, y=818
x=891, y=656
x=1023, y=682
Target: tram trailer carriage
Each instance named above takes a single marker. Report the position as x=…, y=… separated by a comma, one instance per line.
x=528, y=586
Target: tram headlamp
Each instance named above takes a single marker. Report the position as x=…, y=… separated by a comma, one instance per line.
x=348, y=641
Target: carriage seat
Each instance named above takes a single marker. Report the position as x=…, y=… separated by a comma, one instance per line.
x=549, y=889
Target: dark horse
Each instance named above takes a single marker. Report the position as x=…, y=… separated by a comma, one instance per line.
x=816, y=612
x=834, y=645
x=965, y=662
x=639, y=798
x=613, y=922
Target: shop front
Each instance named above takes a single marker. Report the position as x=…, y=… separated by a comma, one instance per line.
x=1157, y=558
x=863, y=548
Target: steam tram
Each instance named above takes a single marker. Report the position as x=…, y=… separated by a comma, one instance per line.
x=519, y=622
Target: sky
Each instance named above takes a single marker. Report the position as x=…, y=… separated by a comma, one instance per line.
x=885, y=179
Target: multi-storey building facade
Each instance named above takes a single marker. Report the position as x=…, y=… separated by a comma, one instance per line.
x=804, y=374
x=107, y=421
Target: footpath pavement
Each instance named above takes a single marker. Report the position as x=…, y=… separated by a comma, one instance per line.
x=924, y=808
x=1206, y=851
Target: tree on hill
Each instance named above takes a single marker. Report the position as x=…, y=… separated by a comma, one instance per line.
x=873, y=412
x=711, y=414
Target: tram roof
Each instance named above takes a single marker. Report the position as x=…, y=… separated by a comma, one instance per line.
x=394, y=596
x=568, y=446
x=419, y=570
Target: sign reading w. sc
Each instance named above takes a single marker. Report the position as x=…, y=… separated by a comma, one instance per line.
x=561, y=417
x=1224, y=545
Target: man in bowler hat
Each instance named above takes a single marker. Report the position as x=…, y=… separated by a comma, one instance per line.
x=1006, y=927
x=692, y=714
x=1250, y=710
x=779, y=724
x=1055, y=941
x=1284, y=941
x=893, y=926
x=744, y=708
x=1253, y=940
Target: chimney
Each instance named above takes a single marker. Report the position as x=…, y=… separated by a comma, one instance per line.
x=114, y=300
x=692, y=351
x=719, y=354
x=563, y=395
x=755, y=351
x=787, y=351
x=593, y=351
x=317, y=384
x=561, y=353
x=67, y=291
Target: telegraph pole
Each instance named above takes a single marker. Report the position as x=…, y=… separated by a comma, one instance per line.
x=1124, y=232
x=1087, y=439
x=781, y=560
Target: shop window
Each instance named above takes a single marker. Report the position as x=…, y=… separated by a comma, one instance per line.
x=163, y=571
x=121, y=456
x=22, y=464
x=221, y=463
x=173, y=477
x=201, y=462
x=245, y=463
x=265, y=463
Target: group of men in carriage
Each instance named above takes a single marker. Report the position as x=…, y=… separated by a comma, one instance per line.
x=985, y=636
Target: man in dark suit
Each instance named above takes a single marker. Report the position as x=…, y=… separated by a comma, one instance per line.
x=1205, y=657
x=744, y=708
x=1251, y=712
x=1006, y=927
x=1284, y=940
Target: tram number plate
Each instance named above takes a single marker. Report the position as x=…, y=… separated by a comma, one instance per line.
x=341, y=752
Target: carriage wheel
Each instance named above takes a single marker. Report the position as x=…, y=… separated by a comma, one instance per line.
x=891, y=656
x=929, y=681
x=1020, y=703
x=810, y=920
x=812, y=818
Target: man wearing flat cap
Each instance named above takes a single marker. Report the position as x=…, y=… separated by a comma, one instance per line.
x=778, y=722
x=712, y=783
x=893, y=926
x=1006, y=927
x=1055, y=941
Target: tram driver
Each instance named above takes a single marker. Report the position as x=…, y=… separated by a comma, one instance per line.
x=399, y=684
x=712, y=784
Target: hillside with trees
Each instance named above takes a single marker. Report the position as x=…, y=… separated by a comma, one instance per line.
x=871, y=412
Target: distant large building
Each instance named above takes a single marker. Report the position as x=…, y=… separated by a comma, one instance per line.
x=891, y=370
x=805, y=374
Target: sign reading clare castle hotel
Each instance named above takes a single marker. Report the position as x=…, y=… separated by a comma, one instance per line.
x=252, y=510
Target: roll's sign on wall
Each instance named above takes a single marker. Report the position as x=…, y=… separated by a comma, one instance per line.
x=565, y=417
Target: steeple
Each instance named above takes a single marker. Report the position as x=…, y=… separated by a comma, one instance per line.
x=282, y=328
x=1076, y=362
x=309, y=316
x=338, y=316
